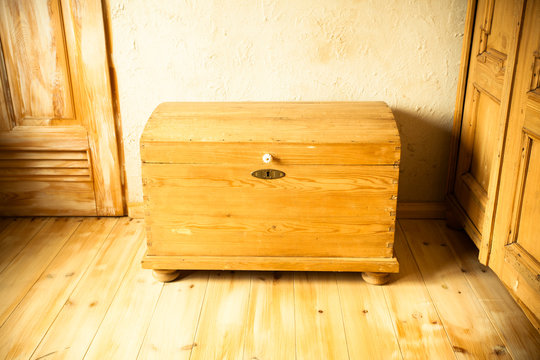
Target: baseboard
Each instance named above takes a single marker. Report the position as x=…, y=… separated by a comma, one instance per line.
x=136, y=210
x=421, y=210
x=465, y=222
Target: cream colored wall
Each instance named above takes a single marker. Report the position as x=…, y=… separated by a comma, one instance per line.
x=403, y=52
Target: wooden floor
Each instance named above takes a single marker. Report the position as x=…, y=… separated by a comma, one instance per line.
x=73, y=288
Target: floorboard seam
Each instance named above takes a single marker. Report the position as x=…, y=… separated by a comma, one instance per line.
x=28, y=242
x=394, y=328
x=7, y=266
x=342, y=318
x=295, y=274
x=482, y=305
x=150, y=320
x=425, y=286
x=74, y=288
x=200, y=313
x=112, y=299
x=247, y=317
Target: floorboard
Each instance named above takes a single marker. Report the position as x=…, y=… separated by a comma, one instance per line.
x=469, y=329
x=122, y=331
x=15, y=236
x=73, y=288
x=319, y=322
x=419, y=330
x=35, y=313
x=220, y=333
x=171, y=333
x=519, y=335
x=270, y=328
x=4, y=222
x=368, y=326
x=26, y=268
x=77, y=323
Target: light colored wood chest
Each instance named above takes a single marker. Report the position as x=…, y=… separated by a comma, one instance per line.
x=270, y=186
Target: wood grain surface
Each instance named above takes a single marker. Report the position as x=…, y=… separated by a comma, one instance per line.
x=336, y=200
x=72, y=331
x=292, y=122
x=48, y=295
x=56, y=102
x=92, y=300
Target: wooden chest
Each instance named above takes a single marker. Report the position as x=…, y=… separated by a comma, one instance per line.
x=270, y=186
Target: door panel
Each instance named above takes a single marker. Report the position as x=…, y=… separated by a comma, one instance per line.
x=526, y=228
x=516, y=243
x=6, y=109
x=522, y=250
x=484, y=139
x=36, y=61
x=496, y=28
x=499, y=33
x=57, y=134
x=494, y=186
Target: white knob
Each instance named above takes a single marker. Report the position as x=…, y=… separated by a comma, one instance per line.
x=267, y=158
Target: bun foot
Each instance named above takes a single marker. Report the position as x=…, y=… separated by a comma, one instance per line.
x=375, y=278
x=165, y=275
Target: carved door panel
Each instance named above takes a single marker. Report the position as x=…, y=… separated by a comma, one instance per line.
x=496, y=27
x=516, y=235
x=58, y=148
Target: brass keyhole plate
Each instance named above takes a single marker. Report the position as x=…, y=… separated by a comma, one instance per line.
x=268, y=174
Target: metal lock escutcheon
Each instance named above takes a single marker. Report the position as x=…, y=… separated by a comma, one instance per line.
x=268, y=174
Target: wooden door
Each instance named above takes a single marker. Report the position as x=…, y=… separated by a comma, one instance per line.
x=516, y=235
x=492, y=57
x=58, y=148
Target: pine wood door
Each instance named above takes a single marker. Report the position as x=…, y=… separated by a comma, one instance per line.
x=516, y=240
x=492, y=58
x=58, y=147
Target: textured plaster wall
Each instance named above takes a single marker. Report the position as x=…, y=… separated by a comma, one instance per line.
x=403, y=52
